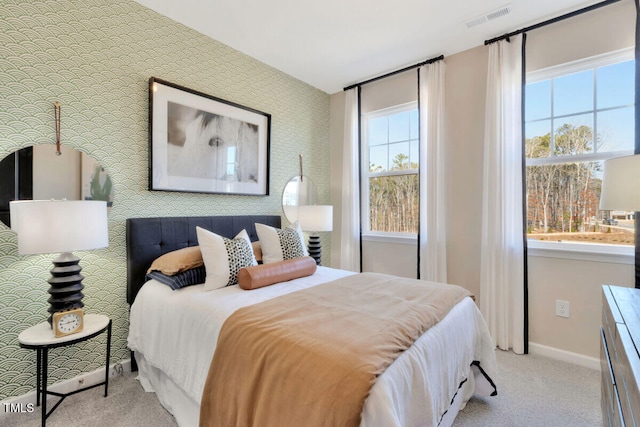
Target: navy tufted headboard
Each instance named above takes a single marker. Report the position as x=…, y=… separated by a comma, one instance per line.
x=148, y=238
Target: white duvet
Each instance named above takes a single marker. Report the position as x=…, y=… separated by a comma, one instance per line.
x=177, y=331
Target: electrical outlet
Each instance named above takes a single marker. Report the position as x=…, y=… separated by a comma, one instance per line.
x=562, y=308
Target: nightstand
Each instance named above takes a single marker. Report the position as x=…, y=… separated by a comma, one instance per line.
x=40, y=338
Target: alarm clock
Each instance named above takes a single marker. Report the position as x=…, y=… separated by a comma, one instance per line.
x=67, y=322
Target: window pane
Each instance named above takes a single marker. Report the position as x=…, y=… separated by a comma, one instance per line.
x=538, y=136
x=562, y=205
x=538, y=100
x=616, y=130
x=391, y=147
x=414, y=154
x=378, y=131
x=399, y=127
x=615, y=85
x=592, y=114
x=573, y=135
x=399, y=155
x=414, y=134
x=573, y=93
x=378, y=158
x=393, y=203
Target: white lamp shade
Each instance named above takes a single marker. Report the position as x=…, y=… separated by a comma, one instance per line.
x=315, y=217
x=621, y=184
x=54, y=226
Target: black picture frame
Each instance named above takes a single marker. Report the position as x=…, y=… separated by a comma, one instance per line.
x=202, y=144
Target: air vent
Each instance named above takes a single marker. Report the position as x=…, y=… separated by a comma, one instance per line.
x=505, y=10
x=498, y=13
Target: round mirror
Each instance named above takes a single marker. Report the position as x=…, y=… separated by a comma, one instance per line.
x=37, y=173
x=300, y=190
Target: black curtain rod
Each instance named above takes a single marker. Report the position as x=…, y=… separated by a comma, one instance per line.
x=393, y=73
x=553, y=20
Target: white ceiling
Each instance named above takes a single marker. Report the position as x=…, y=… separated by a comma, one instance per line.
x=331, y=44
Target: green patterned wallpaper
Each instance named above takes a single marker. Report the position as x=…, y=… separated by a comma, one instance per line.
x=95, y=57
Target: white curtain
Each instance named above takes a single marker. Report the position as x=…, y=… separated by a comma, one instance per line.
x=502, y=268
x=433, y=249
x=350, y=214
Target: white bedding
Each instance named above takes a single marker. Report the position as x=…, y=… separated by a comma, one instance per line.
x=176, y=331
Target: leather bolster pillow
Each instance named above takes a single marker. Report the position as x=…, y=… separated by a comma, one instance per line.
x=258, y=276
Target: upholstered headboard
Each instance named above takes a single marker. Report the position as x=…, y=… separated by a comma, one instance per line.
x=148, y=238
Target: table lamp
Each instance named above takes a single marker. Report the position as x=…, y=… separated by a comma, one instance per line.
x=621, y=191
x=314, y=219
x=621, y=184
x=61, y=226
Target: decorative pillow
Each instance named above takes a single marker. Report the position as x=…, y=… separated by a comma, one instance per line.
x=194, y=276
x=259, y=276
x=281, y=244
x=223, y=257
x=177, y=261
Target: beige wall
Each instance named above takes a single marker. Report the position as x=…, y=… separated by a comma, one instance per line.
x=464, y=118
x=578, y=282
x=604, y=30
x=397, y=258
x=550, y=279
x=395, y=90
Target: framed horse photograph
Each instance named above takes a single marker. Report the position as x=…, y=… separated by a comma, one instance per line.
x=203, y=144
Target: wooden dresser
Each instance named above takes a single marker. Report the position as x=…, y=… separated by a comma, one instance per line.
x=619, y=357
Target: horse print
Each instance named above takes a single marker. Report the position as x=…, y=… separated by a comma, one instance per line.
x=211, y=146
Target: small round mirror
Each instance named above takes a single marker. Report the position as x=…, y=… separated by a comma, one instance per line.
x=37, y=173
x=300, y=190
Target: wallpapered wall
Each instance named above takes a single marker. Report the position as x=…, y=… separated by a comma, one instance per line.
x=95, y=57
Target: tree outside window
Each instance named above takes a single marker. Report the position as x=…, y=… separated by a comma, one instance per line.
x=390, y=171
x=577, y=116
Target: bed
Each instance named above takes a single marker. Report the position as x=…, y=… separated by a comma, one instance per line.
x=173, y=334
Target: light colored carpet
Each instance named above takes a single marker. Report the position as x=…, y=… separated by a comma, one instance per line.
x=532, y=391
x=127, y=405
x=537, y=391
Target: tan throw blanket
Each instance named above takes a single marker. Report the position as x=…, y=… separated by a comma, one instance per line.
x=309, y=358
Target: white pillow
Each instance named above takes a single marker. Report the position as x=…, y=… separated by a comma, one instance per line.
x=281, y=244
x=223, y=257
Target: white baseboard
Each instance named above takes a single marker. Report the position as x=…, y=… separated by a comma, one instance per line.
x=565, y=356
x=27, y=401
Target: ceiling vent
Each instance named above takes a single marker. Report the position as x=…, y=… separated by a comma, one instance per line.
x=505, y=10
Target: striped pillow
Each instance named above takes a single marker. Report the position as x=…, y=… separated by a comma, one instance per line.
x=193, y=276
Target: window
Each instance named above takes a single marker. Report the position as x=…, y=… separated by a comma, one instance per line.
x=576, y=116
x=390, y=161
